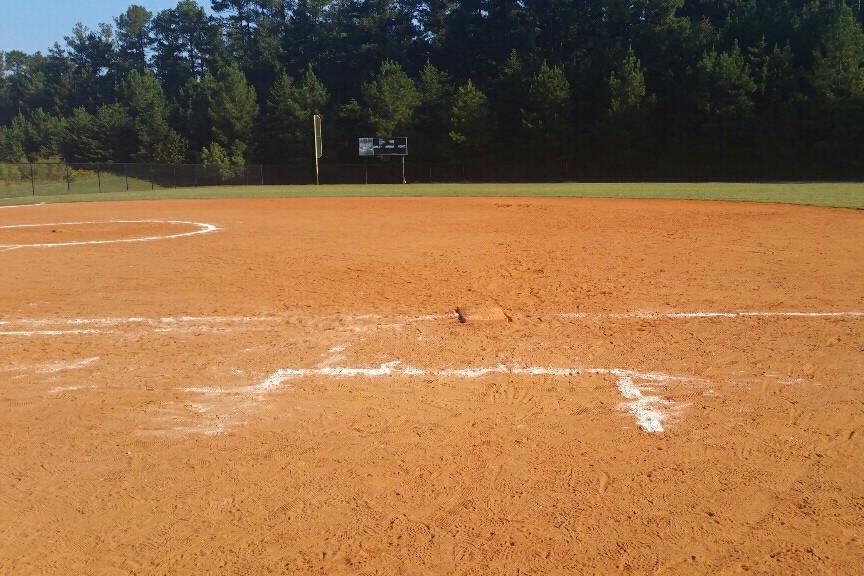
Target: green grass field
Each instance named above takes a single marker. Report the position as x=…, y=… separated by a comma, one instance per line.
x=838, y=195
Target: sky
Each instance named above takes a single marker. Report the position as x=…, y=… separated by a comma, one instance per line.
x=35, y=25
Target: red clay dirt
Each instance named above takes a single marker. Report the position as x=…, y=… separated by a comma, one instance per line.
x=679, y=388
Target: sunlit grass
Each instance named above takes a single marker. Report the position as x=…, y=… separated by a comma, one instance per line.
x=841, y=195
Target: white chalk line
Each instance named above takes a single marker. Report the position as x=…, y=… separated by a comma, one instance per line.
x=203, y=228
x=359, y=323
x=108, y=321
x=40, y=326
x=384, y=322
x=47, y=332
x=171, y=320
x=650, y=411
x=62, y=389
x=647, y=315
x=57, y=327
x=355, y=323
x=53, y=368
x=398, y=368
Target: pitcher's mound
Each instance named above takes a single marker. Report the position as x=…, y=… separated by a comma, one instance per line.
x=482, y=313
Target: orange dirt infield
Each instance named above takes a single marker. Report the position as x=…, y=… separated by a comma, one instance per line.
x=284, y=387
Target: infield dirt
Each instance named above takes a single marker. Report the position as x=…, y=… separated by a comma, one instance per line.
x=679, y=388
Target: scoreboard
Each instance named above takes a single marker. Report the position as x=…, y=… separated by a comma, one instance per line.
x=397, y=146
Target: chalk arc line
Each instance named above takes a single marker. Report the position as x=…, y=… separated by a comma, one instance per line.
x=202, y=228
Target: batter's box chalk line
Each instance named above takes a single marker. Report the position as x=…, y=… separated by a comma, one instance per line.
x=649, y=410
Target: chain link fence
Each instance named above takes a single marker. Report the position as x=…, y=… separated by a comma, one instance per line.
x=54, y=179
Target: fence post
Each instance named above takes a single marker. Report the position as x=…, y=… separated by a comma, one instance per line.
x=32, y=179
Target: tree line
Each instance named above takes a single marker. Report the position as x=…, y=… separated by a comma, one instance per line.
x=639, y=88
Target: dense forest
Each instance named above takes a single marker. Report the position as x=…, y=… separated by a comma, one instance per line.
x=770, y=89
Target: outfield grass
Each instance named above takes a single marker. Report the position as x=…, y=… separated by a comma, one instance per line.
x=838, y=195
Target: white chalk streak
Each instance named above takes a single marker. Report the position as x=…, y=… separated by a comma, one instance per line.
x=471, y=372
x=61, y=389
x=646, y=409
x=76, y=365
x=628, y=389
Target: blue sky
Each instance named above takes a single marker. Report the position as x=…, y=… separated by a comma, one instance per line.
x=35, y=25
